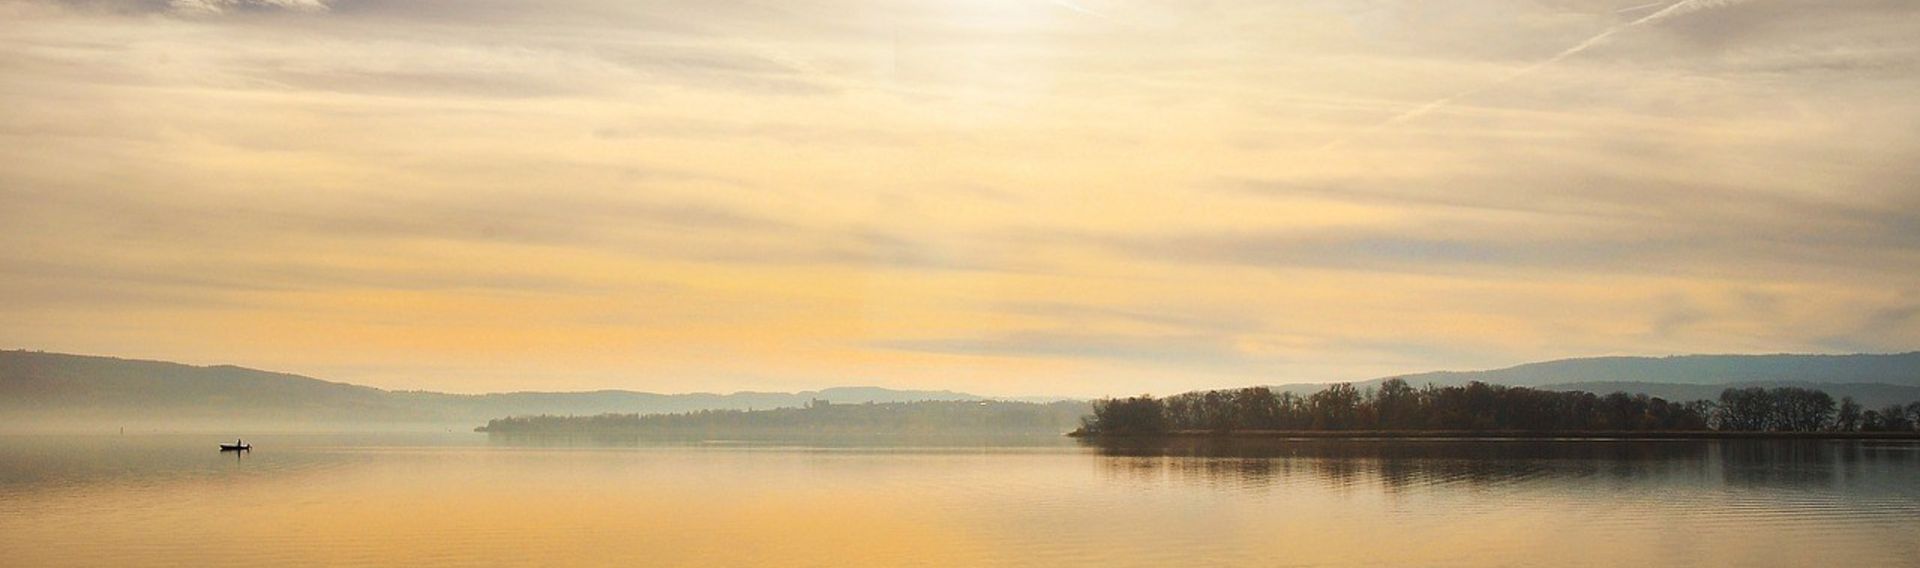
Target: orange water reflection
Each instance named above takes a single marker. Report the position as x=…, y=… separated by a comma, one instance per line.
x=338, y=503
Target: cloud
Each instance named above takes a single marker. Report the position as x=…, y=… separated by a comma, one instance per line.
x=1893, y=327
x=1081, y=9
x=208, y=7
x=698, y=195
x=1528, y=249
x=1182, y=350
x=1676, y=9
x=1185, y=320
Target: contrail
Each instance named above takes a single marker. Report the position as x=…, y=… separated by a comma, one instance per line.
x=1075, y=6
x=1639, y=8
x=1674, y=9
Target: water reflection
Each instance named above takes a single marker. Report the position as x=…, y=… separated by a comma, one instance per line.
x=1396, y=465
x=889, y=501
x=41, y=462
x=870, y=442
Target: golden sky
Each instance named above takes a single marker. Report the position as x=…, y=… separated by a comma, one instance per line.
x=1007, y=197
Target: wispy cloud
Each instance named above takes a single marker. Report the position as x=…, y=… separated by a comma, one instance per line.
x=1639, y=7
x=1186, y=351
x=1077, y=7
x=996, y=196
x=207, y=7
x=1671, y=10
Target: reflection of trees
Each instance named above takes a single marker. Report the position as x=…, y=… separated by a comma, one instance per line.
x=1758, y=463
x=1396, y=465
x=914, y=441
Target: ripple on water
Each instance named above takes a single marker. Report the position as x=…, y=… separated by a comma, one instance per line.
x=343, y=502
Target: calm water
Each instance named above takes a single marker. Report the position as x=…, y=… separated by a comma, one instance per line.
x=465, y=500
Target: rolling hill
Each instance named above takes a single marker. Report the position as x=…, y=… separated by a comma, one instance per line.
x=1871, y=379
x=44, y=390
x=1898, y=369
x=41, y=391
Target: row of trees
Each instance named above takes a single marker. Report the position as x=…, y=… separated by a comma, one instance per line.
x=820, y=417
x=1477, y=406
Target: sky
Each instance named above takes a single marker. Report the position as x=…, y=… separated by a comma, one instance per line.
x=1006, y=197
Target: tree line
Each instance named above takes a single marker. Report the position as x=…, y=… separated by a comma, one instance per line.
x=818, y=417
x=1477, y=406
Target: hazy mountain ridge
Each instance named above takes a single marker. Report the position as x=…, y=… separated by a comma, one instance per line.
x=1871, y=395
x=946, y=417
x=1872, y=379
x=1891, y=369
x=38, y=388
x=43, y=387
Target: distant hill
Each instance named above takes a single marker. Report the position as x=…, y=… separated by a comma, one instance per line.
x=1870, y=379
x=58, y=391
x=914, y=418
x=1899, y=369
x=1870, y=395
x=48, y=390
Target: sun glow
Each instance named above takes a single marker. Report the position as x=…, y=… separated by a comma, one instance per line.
x=1006, y=196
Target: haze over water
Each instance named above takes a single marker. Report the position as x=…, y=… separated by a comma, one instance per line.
x=526, y=214
x=463, y=499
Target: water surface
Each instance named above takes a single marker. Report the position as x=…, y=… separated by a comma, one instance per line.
x=467, y=500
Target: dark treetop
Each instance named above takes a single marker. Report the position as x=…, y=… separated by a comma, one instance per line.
x=1398, y=406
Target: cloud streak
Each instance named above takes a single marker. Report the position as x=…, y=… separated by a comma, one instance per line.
x=210, y=7
x=1671, y=10
x=693, y=195
x=1077, y=7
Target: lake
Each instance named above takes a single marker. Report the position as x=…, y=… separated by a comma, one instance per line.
x=460, y=499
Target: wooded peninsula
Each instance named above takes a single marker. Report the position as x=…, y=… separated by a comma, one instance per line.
x=817, y=417
x=1397, y=409
x=1393, y=410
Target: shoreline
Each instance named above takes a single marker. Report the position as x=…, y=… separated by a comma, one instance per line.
x=1500, y=435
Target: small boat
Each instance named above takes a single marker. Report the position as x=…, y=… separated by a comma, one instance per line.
x=236, y=446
